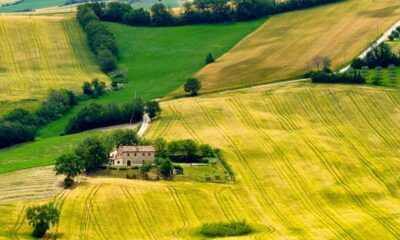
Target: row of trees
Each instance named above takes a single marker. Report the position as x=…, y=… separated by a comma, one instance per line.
x=183, y=150
x=382, y=56
x=198, y=11
x=21, y=125
x=353, y=77
x=96, y=115
x=100, y=39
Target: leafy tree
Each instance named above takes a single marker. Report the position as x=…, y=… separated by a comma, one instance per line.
x=145, y=168
x=115, y=11
x=15, y=132
x=206, y=150
x=93, y=152
x=138, y=17
x=161, y=16
x=166, y=167
x=364, y=71
x=106, y=60
x=152, y=108
x=87, y=88
x=192, y=85
x=125, y=138
x=160, y=145
x=42, y=217
x=209, y=58
x=378, y=76
x=70, y=165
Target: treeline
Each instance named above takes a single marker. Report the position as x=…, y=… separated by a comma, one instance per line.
x=187, y=151
x=380, y=56
x=197, y=12
x=21, y=125
x=353, y=77
x=96, y=115
x=100, y=39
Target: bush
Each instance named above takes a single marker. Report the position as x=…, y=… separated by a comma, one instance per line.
x=209, y=58
x=106, y=60
x=220, y=229
x=207, y=177
x=68, y=182
x=178, y=169
x=192, y=86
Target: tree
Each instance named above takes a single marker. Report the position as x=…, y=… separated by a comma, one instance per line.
x=192, y=85
x=42, y=217
x=22, y=116
x=166, y=168
x=206, y=150
x=161, y=16
x=378, y=76
x=160, y=145
x=138, y=17
x=125, y=138
x=70, y=165
x=87, y=88
x=93, y=152
x=364, y=71
x=326, y=64
x=209, y=58
x=106, y=60
x=152, y=108
x=145, y=168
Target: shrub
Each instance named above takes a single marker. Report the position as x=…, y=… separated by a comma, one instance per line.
x=106, y=60
x=207, y=177
x=68, y=182
x=122, y=168
x=209, y=58
x=220, y=229
x=323, y=77
x=166, y=168
x=178, y=169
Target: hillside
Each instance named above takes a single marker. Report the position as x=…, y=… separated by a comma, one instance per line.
x=159, y=60
x=311, y=161
x=39, y=53
x=284, y=46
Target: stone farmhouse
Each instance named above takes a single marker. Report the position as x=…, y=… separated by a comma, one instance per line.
x=132, y=155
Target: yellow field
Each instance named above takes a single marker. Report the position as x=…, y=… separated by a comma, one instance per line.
x=282, y=47
x=311, y=162
x=38, y=53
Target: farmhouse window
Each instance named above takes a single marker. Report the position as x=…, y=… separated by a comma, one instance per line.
x=135, y=154
x=143, y=154
x=149, y=154
x=128, y=154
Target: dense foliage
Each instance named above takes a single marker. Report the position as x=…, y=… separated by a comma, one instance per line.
x=42, y=217
x=93, y=152
x=21, y=125
x=100, y=39
x=197, y=12
x=183, y=150
x=380, y=56
x=70, y=165
x=220, y=229
x=346, y=77
x=192, y=86
x=96, y=115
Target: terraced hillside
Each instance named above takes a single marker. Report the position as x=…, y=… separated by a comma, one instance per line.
x=286, y=43
x=311, y=161
x=39, y=53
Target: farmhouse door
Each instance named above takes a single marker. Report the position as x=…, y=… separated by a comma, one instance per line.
x=129, y=163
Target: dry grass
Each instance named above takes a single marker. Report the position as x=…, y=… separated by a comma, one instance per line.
x=311, y=161
x=38, y=53
x=282, y=47
x=35, y=183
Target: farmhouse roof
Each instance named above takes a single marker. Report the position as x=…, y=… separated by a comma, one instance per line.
x=137, y=149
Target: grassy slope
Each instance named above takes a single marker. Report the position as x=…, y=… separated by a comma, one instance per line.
x=39, y=53
x=284, y=45
x=32, y=4
x=159, y=60
x=311, y=161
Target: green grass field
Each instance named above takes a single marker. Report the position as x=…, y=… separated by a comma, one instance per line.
x=311, y=161
x=39, y=53
x=283, y=46
x=32, y=4
x=159, y=60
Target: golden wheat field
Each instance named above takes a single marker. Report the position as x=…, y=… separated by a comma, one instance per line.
x=284, y=45
x=38, y=53
x=311, y=162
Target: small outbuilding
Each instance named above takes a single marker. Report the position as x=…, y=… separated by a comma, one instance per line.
x=132, y=155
